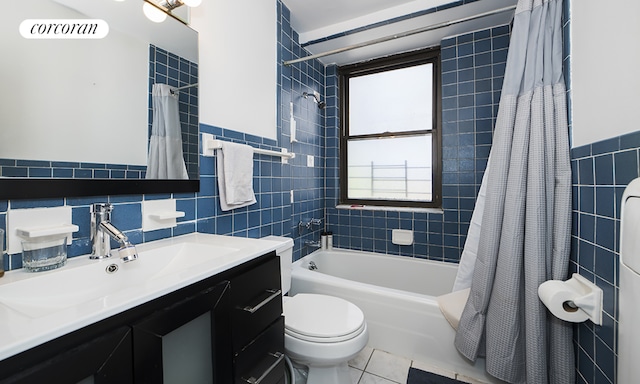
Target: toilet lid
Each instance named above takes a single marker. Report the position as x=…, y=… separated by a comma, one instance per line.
x=321, y=316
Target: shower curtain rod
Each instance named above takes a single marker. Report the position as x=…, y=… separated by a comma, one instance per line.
x=403, y=34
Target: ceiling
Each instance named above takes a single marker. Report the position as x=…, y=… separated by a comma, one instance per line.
x=314, y=21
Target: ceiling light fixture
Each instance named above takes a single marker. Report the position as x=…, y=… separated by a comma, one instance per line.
x=157, y=10
x=153, y=13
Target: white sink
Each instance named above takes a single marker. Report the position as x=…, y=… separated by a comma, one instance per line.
x=97, y=282
x=37, y=307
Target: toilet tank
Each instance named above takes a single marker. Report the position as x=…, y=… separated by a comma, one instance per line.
x=629, y=311
x=285, y=252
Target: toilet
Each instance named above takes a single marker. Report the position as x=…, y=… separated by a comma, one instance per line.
x=321, y=332
x=629, y=283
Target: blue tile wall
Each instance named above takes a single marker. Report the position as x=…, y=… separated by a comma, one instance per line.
x=69, y=170
x=307, y=183
x=472, y=72
x=601, y=172
x=271, y=215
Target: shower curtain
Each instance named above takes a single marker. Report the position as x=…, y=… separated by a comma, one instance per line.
x=165, y=145
x=524, y=238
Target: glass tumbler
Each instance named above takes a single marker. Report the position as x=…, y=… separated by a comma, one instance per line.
x=44, y=253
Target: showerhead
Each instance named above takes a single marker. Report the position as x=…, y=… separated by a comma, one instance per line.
x=316, y=98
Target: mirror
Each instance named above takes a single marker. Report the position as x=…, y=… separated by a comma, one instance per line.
x=76, y=114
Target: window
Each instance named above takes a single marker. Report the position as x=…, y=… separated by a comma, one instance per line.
x=390, y=131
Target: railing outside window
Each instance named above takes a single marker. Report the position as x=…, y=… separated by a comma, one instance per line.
x=390, y=181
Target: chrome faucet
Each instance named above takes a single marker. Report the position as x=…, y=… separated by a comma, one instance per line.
x=308, y=224
x=312, y=244
x=102, y=231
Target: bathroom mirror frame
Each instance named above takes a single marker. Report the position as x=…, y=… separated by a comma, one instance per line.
x=14, y=188
x=23, y=188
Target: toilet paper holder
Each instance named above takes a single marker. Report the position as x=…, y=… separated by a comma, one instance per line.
x=586, y=298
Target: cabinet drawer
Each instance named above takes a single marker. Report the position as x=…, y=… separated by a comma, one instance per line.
x=257, y=302
x=262, y=360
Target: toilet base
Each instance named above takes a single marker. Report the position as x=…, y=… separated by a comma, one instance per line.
x=337, y=374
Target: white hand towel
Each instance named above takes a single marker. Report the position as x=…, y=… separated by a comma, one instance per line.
x=235, y=176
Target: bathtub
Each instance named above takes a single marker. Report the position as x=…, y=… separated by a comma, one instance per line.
x=397, y=295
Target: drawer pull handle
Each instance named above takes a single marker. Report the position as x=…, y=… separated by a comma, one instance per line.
x=252, y=380
x=273, y=295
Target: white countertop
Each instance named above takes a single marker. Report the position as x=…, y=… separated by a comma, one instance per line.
x=30, y=309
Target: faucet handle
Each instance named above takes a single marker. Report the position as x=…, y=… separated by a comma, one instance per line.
x=101, y=208
x=309, y=224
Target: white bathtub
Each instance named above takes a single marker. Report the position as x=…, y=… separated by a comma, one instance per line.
x=397, y=296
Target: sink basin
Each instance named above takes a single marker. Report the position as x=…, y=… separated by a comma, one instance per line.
x=176, y=258
x=97, y=282
x=38, y=307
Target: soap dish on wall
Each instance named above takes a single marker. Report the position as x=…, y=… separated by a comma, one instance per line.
x=402, y=237
x=159, y=214
x=36, y=232
x=45, y=248
x=31, y=223
x=167, y=215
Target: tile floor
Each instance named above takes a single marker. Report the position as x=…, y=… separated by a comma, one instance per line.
x=373, y=366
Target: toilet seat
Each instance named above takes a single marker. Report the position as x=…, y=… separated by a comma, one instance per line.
x=322, y=319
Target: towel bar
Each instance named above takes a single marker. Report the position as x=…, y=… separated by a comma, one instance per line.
x=209, y=144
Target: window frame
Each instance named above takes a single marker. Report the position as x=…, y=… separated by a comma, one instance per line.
x=405, y=60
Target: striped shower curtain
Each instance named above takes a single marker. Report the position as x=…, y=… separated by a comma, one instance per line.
x=524, y=236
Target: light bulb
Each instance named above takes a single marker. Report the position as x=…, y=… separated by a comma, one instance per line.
x=192, y=3
x=153, y=13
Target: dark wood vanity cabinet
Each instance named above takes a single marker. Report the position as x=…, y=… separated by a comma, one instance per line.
x=258, y=325
x=185, y=342
x=230, y=323
x=104, y=359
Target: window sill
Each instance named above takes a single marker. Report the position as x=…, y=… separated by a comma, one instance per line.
x=382, y=208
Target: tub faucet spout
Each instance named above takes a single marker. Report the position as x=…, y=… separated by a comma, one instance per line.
x=102, y=230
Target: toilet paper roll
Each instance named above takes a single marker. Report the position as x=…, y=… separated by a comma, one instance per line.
x=557, y=296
